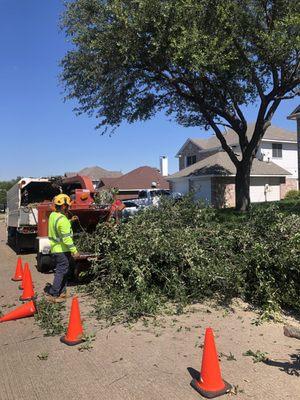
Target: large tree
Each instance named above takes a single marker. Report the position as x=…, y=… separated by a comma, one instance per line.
x=200, y=61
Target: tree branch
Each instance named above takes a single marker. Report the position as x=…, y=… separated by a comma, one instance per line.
x=272, y=110
x=287, y=97
x=206, y=114
x=258, y=132
x=255, y=78
x=243, y=132
x=225, y=125
x=220, y=136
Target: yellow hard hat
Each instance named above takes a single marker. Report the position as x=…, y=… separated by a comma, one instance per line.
x=62, y=199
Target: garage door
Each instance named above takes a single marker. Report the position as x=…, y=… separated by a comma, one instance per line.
x=264, y=189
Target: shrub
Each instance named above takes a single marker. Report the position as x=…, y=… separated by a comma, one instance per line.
x=292, y=195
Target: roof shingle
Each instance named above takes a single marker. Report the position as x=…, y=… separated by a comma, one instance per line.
x=139, y=178
x=220, y=164
x=272, y=133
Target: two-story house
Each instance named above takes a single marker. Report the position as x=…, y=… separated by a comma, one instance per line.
x=295, y=115
x=207, y=170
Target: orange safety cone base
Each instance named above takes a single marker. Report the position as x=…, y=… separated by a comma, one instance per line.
x=16, y=279
x=210, y=394
x=21, y=298
x=70, y=342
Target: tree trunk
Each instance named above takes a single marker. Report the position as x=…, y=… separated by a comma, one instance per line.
x=242, y=186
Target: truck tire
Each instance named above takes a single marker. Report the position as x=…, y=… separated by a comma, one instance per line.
x=11, y=239
x=44, y=263
x=18, y=243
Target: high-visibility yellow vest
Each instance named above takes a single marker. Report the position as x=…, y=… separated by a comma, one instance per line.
x=60, y=234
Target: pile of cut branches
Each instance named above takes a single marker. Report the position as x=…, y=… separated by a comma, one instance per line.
x=184, y=252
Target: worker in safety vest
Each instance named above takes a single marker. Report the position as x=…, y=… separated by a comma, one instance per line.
x=62, y=248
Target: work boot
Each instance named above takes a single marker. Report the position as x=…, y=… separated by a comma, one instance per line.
x=47, y=288
x=65, y=294
x=54, y=299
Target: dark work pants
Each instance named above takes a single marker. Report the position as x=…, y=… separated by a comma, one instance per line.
x=61, y=261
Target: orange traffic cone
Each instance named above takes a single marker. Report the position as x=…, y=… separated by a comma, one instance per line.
x=25, y=270
x=19, y=271
x=28, y=292
x=25, y=277
x=210, y=384
x=25, y=310
x=75, y=330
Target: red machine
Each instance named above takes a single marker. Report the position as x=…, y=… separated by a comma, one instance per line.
x=82, y=193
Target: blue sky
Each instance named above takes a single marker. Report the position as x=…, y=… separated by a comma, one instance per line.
x=40, y=134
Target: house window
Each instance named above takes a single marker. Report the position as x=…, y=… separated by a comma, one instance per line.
x=277, y=150
x=190, y=160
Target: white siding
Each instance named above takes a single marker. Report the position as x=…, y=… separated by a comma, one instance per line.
x=201, y=188
x=180, y=186
x=289, y=160
x=259, y=192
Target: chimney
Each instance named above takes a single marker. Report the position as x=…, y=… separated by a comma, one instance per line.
x=164, y=165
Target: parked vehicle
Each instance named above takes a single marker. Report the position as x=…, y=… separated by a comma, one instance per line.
x=147, y=198
x=150, y=197
x=131, y=208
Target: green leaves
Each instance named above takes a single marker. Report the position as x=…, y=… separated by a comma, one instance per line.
x=49, y=317
x=185, y=252
x=257, y=356
x=134, y=58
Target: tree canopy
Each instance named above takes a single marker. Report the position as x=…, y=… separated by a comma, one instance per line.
x=199, y=61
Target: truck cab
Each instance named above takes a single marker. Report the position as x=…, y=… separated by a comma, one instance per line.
x=150, y=197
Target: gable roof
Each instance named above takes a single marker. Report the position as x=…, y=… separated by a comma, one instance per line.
x=139, y=178
x=96, y=173
x=272, y=133
x=295, y=114
x=221, y=164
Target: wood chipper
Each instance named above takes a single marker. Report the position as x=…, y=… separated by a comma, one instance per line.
x=88, y=214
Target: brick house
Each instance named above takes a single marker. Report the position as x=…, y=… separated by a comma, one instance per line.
x=129, y=185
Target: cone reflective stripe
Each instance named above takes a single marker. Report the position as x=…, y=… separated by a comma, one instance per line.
x=211, y=383
x=28, y=292
x=23, y=311
x=19, y=271
x=75, y=330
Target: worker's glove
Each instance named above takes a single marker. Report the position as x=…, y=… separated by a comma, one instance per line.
x=76, y=256
x=74, y=218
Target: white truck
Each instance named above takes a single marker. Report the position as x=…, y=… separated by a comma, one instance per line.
x=150, y=197
x=147, y=198
x=21, y=212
